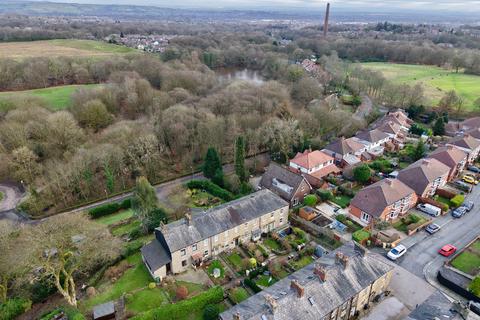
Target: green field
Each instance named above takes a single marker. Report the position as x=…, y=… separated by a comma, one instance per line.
x=56, y=98
x=436, y=81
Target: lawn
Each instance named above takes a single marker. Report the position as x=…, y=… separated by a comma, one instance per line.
x=304, y=261
x=272, y=244
x=126, y=228
x=55, y=98
x=436, y=81
x=61, y=48
x=115, y=217
x=443, y=200
x=134, y=278
x=403, y=223
x=146, y=299
x=265, y=281
x=342, y=200
x=235, y=260
x=238, y=294
x=216, y=264
x=469, y=260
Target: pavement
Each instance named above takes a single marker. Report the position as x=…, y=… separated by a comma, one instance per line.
x=422, y=258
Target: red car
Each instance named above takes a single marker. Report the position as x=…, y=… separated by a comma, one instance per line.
x=447, y=250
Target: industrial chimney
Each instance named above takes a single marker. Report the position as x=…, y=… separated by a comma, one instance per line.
x=325, y=25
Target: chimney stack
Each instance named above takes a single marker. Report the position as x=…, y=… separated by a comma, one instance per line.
x=271, y=303
x=325, y=24
x=236, y=316
x=321, y=272
x=298, y=288
x=188, y=218
x=342, y=259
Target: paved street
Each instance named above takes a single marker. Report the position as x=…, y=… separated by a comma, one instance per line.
x=422, y=258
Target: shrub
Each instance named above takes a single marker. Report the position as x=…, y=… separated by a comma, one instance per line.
x=362, y=173
x=458, y=200
x=41, y=289
x=12, y=308
x=252, y=285
x=126, y=204
x=414, y=218
x=181, y=293
x=310, y=200
x=474, y=286
x=211, y=188
x=185, y=308
x=104, y=210
x=346, y=191
x=325, y=195
x=341, y=218
x=157, y=216
x=211, y=312
x=135, y=233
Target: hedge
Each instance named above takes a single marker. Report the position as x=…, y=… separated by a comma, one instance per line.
x=12, y=308
x=252, y=285
x=211, y=188
x=325, y=195
x=109, y=208
x=184, y=309
x=458, y=200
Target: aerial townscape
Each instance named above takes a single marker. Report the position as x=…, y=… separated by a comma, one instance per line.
x=239, y=160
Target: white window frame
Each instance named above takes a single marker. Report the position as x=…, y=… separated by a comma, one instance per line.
x=365, y=217
x=183, y=252
x=194, y=247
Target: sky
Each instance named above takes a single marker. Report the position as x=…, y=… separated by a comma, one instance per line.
x=469, y=6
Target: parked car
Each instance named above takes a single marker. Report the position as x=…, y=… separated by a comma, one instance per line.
x=459, y=212
x=470, y=179
x=447, y=250
x=432, y=228
x=474, y=169
x=397, y=252
x=463, y=186
x=429, y=209
x=468, y=205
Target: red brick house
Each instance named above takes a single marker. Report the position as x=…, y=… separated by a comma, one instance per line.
x=453, y=157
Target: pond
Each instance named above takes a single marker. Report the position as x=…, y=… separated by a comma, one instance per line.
x=248, y=75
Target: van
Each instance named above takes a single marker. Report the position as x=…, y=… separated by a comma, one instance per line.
x=429, y=209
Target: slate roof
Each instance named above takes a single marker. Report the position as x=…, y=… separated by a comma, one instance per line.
x=376, y=197
x=155, y=255
x=311, y=159
x=104, y=310
x=344, y=146
x=437, y=306
x=179, y=234
x=372, y=136
x=283, y=176
x=420, y=174
x=320, y=298
x=449, y=155
x=466, y=142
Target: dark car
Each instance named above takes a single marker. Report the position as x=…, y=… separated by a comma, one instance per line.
x=459, y=212
x=462, y=186
x=468, y=205
x=474, y=169
x=432, y=228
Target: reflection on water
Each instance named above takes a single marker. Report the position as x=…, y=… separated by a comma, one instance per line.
x=230, y=74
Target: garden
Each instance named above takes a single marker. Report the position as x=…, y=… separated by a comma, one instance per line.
x=409, y=223
x=468, y=260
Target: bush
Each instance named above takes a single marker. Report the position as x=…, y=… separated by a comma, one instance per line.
x=104, y=210
x=136, y=233
x=458, y=200
x=181, y=293
x=346, y=191
x=362, y=173
x=414, y=218
x=70, y=312
x=12, y=308
x=474, y=286
x=341, y=218
x=41, y=290
x=211, y=188
x=185, y=308
x=252, y=285
x=126, y=204
x=310, y=200
x=157, y=216
x=211, y=312
x=325, y=195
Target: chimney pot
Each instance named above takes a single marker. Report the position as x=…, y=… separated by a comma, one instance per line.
x=297, y=287
x=342, y=259
x=271, y=302
x=321, y=272
x=236, y=316
x=188, y=218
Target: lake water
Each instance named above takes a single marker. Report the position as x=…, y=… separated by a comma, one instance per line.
x=231, y=74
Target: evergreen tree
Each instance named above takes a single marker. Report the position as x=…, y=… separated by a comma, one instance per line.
x=212, y=163
x=439, y=127
x=240, y=159
x=144, y=202
x=419, y=151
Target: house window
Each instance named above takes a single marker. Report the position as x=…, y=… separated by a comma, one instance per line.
x=183, y=252
x=216, y=238
x=184, y=263
x=365, y=217
x=281, y=220
x=295, y=201
x=194, y=247
x=205, y=253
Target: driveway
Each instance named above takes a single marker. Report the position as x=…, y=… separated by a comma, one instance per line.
x=12, y=195
x=422, y=258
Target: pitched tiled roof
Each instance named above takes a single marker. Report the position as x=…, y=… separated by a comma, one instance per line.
x=155, y=255
x=319, y=297
x=474, y=133
x=467, y=142
x=420, y=174
x=311, y=159
x=344, y=146
x=326, y=171
x=470, y=124
x=281, y=181
x=389, y=127
x=449, y=155
x=373, y=136
x=376, y=197
x=203, y=225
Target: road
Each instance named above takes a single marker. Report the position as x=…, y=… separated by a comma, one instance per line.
x=422, y=258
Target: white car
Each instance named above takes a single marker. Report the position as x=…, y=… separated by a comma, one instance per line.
x=397, y=252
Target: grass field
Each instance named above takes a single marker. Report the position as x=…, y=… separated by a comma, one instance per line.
x=436, y=81
x=56, y=98
x=60, y=48
x=469, y=260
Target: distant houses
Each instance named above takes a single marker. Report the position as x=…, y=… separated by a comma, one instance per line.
x=453, y=157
